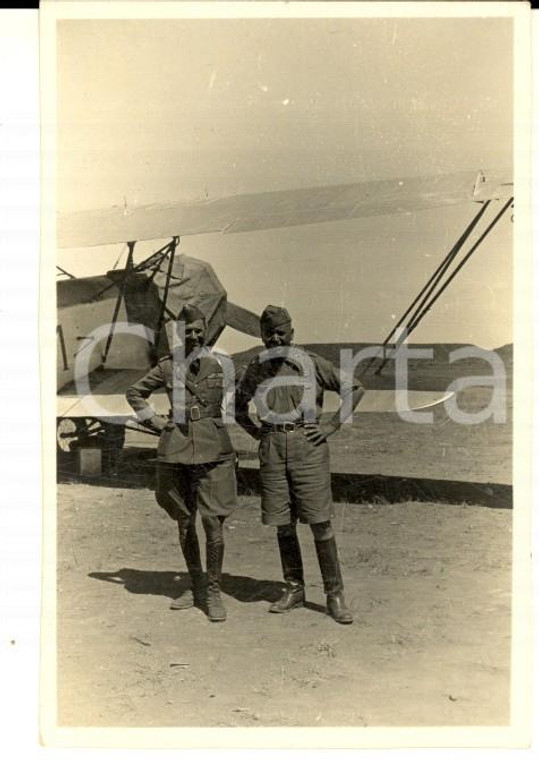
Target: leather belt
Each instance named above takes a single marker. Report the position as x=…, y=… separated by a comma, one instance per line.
x=282, y=427
x=196, y=413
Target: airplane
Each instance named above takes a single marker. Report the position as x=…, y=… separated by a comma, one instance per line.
x=152, y=292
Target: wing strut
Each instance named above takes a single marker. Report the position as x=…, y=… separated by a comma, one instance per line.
x=153, y=261
x=63, y=271
x=119, y=299
x=421, y=313
x=428, y=295
x=430, y=285
x=171, y=253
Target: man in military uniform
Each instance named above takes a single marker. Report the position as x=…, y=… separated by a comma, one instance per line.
x=294, y=454
x=196, y=459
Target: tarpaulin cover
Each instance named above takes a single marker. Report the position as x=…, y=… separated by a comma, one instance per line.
x=191, y=282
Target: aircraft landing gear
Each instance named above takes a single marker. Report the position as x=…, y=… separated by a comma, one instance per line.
x=73, y=434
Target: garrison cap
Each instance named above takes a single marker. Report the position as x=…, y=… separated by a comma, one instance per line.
x=275, y=316
x=190, y=313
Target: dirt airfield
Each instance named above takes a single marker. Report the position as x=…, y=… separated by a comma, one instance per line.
x=429, y=585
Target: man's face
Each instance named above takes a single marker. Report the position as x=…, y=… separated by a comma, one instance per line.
x=195, y=333
x=273, y=337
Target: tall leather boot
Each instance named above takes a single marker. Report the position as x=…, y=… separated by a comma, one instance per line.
x=214, y=564
x=292, y=564
x=194, y=595
x=330, y=568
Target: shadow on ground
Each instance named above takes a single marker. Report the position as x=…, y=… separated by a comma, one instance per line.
x=243, y=588
x=136, y=469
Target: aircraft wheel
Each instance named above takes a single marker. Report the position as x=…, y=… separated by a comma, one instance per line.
x=80, y=432
x=67, y=434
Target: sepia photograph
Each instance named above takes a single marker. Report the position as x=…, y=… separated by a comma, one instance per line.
x=284, y=285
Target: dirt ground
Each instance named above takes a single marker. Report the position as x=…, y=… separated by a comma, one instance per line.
x=384, y=443
x=429, y=584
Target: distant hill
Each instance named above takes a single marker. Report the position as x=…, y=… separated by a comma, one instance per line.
x=424, y=374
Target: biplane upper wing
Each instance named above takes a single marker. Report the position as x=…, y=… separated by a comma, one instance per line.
x=282, y=208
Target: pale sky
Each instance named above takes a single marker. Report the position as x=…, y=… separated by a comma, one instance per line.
x=171, y=110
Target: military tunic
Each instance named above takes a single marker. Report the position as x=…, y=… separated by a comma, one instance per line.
x=196, y=459
x=295, y=472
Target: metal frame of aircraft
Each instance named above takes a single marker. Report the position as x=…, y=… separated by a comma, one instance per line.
x=153, y=287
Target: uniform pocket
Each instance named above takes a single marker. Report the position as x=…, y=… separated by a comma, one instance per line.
x=222, y=488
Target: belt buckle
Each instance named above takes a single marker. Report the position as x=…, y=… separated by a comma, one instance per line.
x=194, y=413
x=288, y=427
